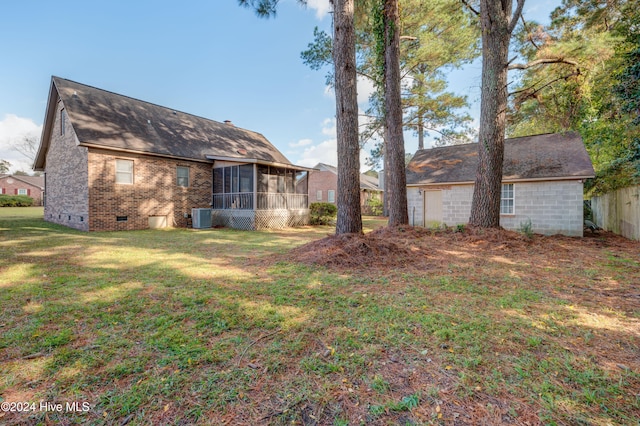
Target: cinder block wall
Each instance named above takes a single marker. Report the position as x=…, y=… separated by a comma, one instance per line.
x=67, y=177
x=456, y=204
x=415, y=203
x=154, y=191
x=553, y=207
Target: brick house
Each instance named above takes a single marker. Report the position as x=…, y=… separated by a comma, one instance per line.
x=112, y=162
x=32, y=186
x=543, y=178
x=323, y=184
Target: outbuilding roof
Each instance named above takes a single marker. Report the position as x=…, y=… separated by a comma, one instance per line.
x=554, y=156
x=105, y=119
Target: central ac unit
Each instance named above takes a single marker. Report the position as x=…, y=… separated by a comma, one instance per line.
x=201, y=218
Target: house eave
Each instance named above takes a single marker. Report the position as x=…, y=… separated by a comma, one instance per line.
x=520, y=180
x=39, y=163
x=257, y=161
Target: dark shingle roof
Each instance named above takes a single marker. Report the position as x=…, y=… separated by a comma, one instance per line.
x=102, y=118
x=548, y=156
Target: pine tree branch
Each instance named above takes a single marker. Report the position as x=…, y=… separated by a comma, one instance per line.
x=470, y=7
x=530, y=38
x=533, y=93
x=543, y=61
x=516, y=15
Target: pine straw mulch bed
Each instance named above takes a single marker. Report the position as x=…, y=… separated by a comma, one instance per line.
x=435, y=251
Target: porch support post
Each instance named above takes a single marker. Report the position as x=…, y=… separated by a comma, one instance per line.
x=255, y=186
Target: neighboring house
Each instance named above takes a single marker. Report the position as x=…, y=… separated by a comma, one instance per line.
x=543, y=179
x=323, y=185
x=116, y=163
x=33, y=186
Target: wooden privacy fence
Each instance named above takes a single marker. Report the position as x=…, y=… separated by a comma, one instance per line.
x=619, y=211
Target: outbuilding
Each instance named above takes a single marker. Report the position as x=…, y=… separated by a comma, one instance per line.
x=543, y=177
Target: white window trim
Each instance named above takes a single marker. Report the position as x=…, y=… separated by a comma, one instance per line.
x=319, y=195
x=22, y=191
x=331, y=196
x=513, y=199
x=123, y=173
x=188, y=176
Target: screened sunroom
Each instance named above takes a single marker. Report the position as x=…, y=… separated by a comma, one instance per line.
x=259, y=195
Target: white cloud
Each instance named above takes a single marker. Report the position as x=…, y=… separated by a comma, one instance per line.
x=12, y=130
x=322, y=7
x=301, y=142
x=325, y=151
x=329, y=127
x=365, y=89
x=329, y=92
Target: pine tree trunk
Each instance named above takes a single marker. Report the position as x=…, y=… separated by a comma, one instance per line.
x=349, y=218
x=385, y=167
x=395, y=177
x=495, y=18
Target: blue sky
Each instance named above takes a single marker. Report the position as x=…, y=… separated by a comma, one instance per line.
x=210, y=58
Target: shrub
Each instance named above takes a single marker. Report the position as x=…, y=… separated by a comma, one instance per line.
x=526, y=228
x=323, y=213
x=15, y=201
x=374, y=206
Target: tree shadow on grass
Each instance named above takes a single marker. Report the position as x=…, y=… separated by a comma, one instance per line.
x=171, y=327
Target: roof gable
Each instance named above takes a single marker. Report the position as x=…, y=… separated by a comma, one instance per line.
x=112, y=121
x=367, y=182
x=548, y=156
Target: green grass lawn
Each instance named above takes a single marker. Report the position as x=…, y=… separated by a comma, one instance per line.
x=21, y=212
x=179, y=326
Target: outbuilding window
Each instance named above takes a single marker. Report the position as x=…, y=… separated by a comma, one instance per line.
x=331, y=196
x=507, y=199
x=124, y=171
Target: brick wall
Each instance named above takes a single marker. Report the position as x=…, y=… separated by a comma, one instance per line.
x=322, y=181
x=153, y=193
x=66, y=177
x=325, y=181
x=10, y=185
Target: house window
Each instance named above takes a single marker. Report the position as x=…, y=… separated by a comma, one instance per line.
x=22, y=192
x=507, y=199
x=124, y=171
x=319, y=195
x=183, y=176
x=331, y=196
